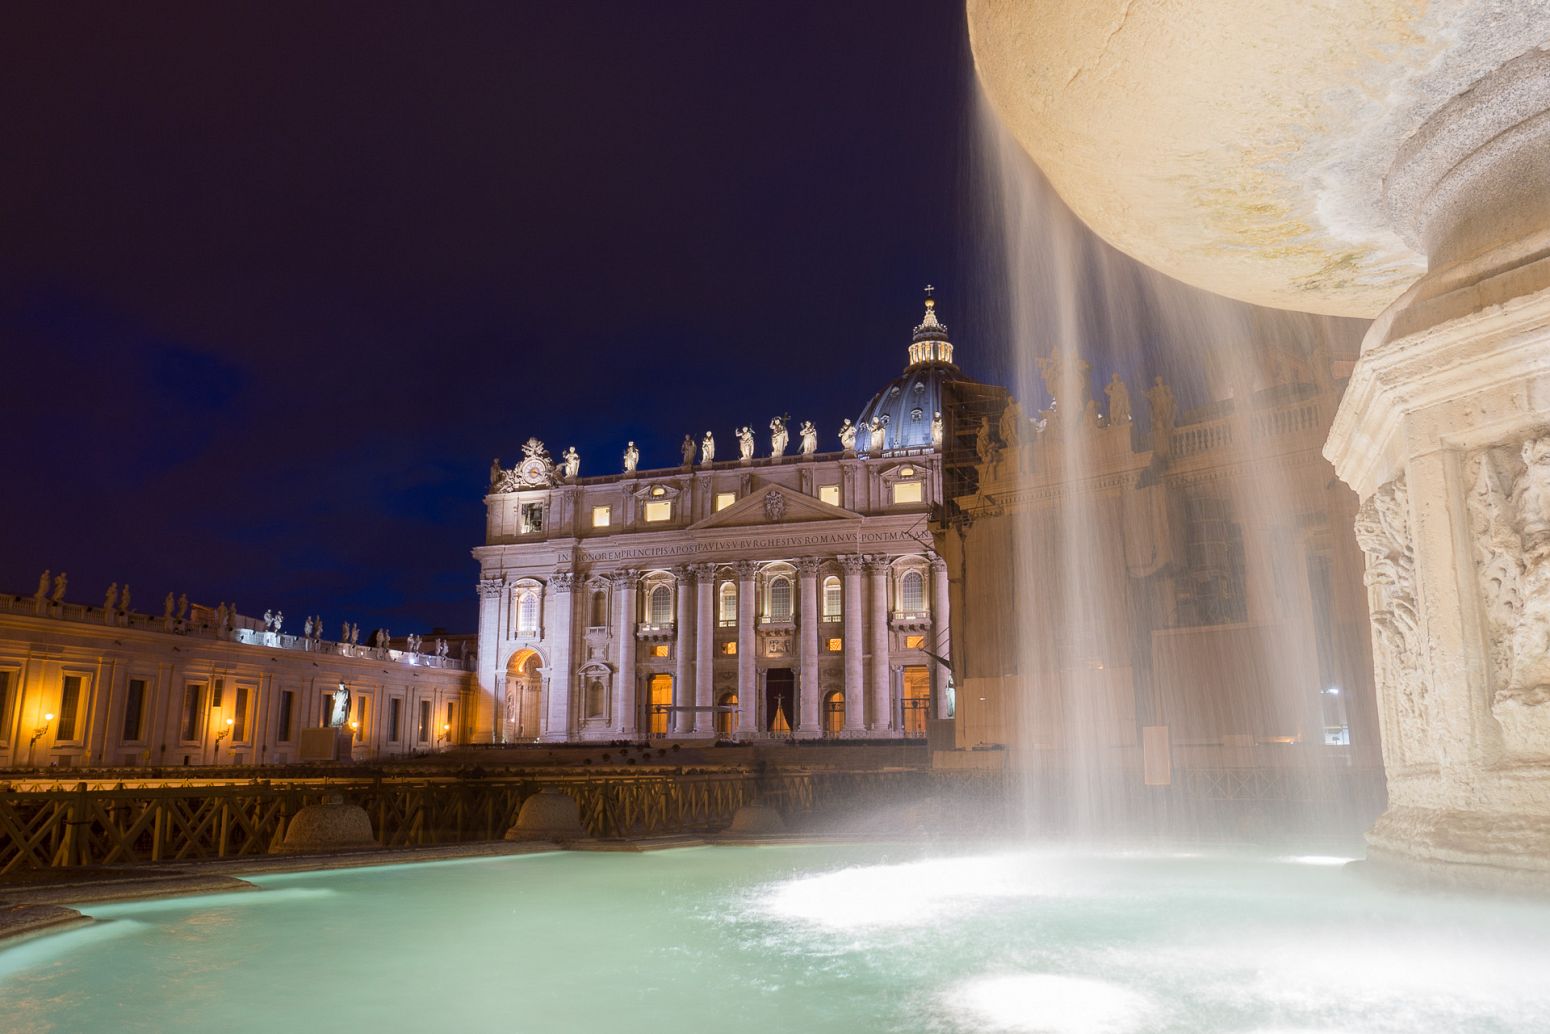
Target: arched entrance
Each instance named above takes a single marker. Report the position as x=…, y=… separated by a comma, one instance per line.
x=726, y=717
x=659, y=704
x=833, y=712
x=524, y=696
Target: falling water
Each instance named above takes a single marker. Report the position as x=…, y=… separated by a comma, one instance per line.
x=1115, y=573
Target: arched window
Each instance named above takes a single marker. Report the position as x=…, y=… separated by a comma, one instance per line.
x=599, y=608
x=831, y=599
x=780, y=599
x=912, y=593
x=527, y=613
x=728, y=604
x=660, y=605
x=726, y=715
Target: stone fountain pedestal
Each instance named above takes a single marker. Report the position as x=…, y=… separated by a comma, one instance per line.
x=1444, y=432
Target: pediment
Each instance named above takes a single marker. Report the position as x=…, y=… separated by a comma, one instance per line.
x=788, y=506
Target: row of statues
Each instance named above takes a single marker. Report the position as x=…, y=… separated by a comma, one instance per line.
x=1067, y=378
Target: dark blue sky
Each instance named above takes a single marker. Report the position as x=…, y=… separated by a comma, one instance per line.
x=277, y=280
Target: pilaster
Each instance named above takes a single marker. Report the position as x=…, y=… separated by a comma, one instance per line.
x=807, y=693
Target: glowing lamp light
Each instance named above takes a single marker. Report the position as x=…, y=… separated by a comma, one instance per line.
x=230, y=722
x=355, y=726
x=49, y=717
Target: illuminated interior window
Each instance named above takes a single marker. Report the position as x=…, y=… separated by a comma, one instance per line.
x=659, y=605
x=831, y=598
x=729, y=648
x=829, y=494
x=532, y=518
x=527, y=612
x=912, y=593
x=727, y=608
x=660, y=650
x=661, y=510
x=725, y=499
x=835, y=644
x=780, y=599
x=914, y=642
x=602, y=516
x=658, y=491
x=907, y=492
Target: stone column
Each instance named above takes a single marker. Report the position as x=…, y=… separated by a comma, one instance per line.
x=704, y=648
x=855, y=648
x=808, y=726
x=489, y=699
x=1444, y=432
x=941, y=640
x=747, y=688
x=557, y=625
x=683, y=651
x=625, y=706
x=879, y=683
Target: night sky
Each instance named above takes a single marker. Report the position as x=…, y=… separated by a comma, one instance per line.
x=278, y=280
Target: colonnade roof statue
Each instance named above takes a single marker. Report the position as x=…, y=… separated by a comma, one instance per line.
x=1242, y=147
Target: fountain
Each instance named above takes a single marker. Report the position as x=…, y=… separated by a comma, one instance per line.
x=1322, y=159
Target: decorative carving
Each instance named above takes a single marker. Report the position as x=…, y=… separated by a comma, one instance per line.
x=1509, y=511
x=489, y=588
x=625, y=579
x=1383, y=532
x=877, y=562
x=535, y=471
x=774, y=505
x=746, y=569
x=809, y=566
x=562, y=581
x=704, y=574
x=853, y=563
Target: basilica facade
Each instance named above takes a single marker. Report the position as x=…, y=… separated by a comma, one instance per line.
x=794, y=594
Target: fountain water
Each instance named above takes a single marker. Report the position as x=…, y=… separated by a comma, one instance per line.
x=1094, y=624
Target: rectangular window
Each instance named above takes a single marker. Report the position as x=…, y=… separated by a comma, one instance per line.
x=829, y=494
x=134, y=710
x=660, y=650
x=835, y=644
x=729, y=649
x=192, y=698
x=328, y=711
x=447, y=729
x=360, y=717
x=907, y=492
x=69, y=706
x=287, y=702
x=914, y=642
x=239, y=725
x=424, y=731
x=602, y=516
x=659, y=510
x=532, y=518
x=217, y=692
x=725, y=499
x=6, y=679
x=831, y=599
x=394, y=706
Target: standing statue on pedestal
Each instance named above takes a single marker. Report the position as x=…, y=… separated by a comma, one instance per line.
x=936, y=430
x=355, y=634
x=686, y=450
x=1163, y=411
x=631, y=458
x=848, y=437
x=1011, y=423
x=984, y=444
x=341, y=712
x=707, y=449
x=279, y=621
x=745, y=443
x=572, y=460
x=123, y=601
x=809, y=435
x=268, y=617
x=1119, y=401
x=110, y=599
x=306, y=628
x=879, y=434
x=495, y=471
x=59, y=588
x=779, y=438
x=42, y=593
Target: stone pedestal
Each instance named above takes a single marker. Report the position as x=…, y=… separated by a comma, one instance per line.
x=330, y=826
x=548, y=815
x=1444, y=432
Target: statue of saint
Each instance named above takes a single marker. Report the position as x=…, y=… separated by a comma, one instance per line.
x=110, y=599
x=279, y=620
x=1163, y=410
x=43, y=580
x=169, y=603
x=745, y=443
x=778, y=438
x=936, y=430
x=848, y=436
x=707, y=449
x=1011, y=423
x=809, y=435
x=631, y=457
x=687, y=450
x=355, y=634
x=341, y=712
x=1119, y=401
x=123, y=600
x=495, y=471
x=306, y=628
x=572, y=460
x=59, y=588
x=268, y=618
x=984, y=444
x=879, y=434
x=183, y=609
x=344, y=632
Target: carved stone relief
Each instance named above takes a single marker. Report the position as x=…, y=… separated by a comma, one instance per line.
x=1509, y=516
x=1383, y=532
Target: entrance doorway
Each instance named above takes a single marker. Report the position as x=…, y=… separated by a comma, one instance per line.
x=659, y=703
x=917, y=700
x=779, y=694
x=833, y=713
x=726, y=716
x=524, y=697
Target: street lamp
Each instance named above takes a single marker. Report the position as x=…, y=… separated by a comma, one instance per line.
x=37, y=734
x=221, y=736
x=446, y=732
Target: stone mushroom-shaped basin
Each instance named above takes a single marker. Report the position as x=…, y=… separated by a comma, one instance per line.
x=1241, y=145
x=548, y=815
x=330, y=826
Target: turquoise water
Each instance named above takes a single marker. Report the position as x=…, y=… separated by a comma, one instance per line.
x=798, y=938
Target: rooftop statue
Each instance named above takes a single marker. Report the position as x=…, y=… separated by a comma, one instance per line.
x=779, y=437
x=745, y=443
x=848, y=436
x=1163, y=411
x=572, y=463
x=687, y=450
x=809, y=435
x=936, y=430
x=495, y=471
x=984, y=444
x=879, y=433
x=1011, y=423
x=708, y=449
x=631, y=458
x=1119, y=401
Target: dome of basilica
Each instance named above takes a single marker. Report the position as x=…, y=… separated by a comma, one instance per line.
x=907, y=404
